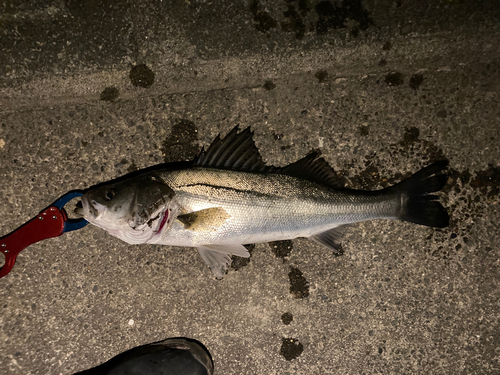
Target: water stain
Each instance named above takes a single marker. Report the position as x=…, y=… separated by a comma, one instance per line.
x=291, y=348
x=487, y=181
x=416, y=80
x=364, y=130
x=387, y=46
x=411, y=141
x=321, y=75
x=269, y=85
x=239, y=262
x=299, y=287
x=286, y=318
x=332, y=16
x=281, y=249
x=411, y=135
x=474, y=194
x=371, y=178
x=142, y=76
x=182, y=143
x=394, y=79
x=109, y=94
x=264, y=21
x=293, y=23
x=368, y=179
x=304, y=7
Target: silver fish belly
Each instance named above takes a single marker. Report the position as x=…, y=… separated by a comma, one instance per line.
x=228, y=197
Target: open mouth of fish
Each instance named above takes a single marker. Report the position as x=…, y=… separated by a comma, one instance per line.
x=79, y=208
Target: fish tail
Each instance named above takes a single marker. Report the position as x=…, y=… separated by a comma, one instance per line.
x=419, y=206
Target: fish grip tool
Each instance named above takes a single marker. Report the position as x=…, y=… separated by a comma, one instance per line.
x=51, y=222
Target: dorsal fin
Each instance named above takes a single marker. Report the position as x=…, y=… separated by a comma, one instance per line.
x=235, y=151
x=315, y=169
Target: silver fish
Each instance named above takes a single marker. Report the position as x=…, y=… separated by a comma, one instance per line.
x=227, y=197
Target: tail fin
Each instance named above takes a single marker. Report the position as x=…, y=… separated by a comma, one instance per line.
x=419, y=207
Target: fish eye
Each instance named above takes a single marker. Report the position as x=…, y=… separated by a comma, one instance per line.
x=110, y=194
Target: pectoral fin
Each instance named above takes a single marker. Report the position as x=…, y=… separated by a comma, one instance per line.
x=218, y=257
x=331, y=238
x=204, y=220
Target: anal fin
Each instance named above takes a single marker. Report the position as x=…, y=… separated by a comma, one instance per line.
x=218, y=257
x=331, y=238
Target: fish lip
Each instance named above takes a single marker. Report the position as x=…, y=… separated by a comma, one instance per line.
x=85, y=209
x=79, y=211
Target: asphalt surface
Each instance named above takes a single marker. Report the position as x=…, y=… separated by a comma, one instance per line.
x=91, y=90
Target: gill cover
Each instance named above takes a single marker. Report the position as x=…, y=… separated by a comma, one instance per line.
x=131, y=210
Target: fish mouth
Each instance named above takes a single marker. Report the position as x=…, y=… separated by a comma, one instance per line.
x=84, y=208
x=79, y=209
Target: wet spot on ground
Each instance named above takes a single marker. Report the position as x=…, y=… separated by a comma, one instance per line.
x=487, y=181
x=293, y=23
x=239, y=262
x=281, y=249
x=269, y=85
x=333, y=16
x=416, y=80
x=364, y=130
x=263, y=20
x=109, y=94
x=182, y=143
x=394, y=79
x=299, y=287
x=142, y=76
x=368, y=178
x=411, y=135
x=286, y=318
x=291, y=348
x=411, y=146
x=473, y=195
x=321, y=75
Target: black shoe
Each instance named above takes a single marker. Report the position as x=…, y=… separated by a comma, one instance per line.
x=176, y=356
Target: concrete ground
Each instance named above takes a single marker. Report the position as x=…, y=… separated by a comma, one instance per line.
x=91, y=90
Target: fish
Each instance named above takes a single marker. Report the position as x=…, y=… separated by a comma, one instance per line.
x=174, y=356
x=227, y=197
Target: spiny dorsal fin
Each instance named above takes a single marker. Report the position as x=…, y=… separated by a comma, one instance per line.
x=315, y=169
x=235, y=151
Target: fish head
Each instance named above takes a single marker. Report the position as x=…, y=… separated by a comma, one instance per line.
x=133, y=210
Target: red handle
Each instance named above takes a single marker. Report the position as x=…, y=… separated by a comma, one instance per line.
x=48, y=223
